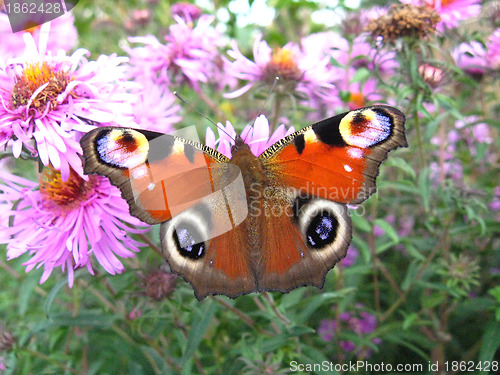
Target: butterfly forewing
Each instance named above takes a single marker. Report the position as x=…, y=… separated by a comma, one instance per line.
x=338, y=158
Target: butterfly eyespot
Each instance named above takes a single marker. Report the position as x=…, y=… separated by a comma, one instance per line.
x=322, y=222
x=322, y=230
x=188, y=233
x=365, y=128
x=187, y=238
x=122, y=148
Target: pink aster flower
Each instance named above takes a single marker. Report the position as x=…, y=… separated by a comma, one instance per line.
x=48, y=98
x=450, y=11
x=474, y=132
x=67, y=224
x=471, y=58
x=360, y=94
x=187, y=11
x=305, y=71
x=354, y=23
x=493, y=55
x=156, y=109
x=61, y=35
x=190, y=55
x=256, y=136
x=361, y=54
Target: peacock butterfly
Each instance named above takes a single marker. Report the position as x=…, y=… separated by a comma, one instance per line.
x=250, y=224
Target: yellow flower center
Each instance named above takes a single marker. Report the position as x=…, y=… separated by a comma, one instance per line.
x=283, y=65
x=31, y=27
x=356, y=100
x=444, y=3
x=34, y=76
x=65, y=194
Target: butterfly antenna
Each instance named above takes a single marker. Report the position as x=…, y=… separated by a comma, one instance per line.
x=201, y=114
x=275, y=82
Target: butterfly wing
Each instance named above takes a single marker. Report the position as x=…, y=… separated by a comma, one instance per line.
x=190, y=188
x=301, y=246
x=338, y=158
x=315, y=172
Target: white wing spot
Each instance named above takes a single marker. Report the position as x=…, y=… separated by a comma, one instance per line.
x=355, y=152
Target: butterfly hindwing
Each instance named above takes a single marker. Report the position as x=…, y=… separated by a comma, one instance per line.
x=306, y=242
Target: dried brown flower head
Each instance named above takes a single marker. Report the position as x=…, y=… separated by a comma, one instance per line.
x=7, y=340
x=157, y=284
x=404, y=20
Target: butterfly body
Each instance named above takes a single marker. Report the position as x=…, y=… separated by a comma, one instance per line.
x=250, y=223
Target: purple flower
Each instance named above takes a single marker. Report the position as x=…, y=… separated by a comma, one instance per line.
x=67, y=223
x=60, y=34
x=351, y=257
x=256, y=136
x=474, y=134
x=135, y=313
x=155, y=108
x=406, y=225
x=359, y=94
x=359, y=322
x=188, y=12
x=361, y=54
x=378, y=231
x=495, y=203
x=347, y=346
x=471, y=58
x=450, y=11
x=326, y=329
x=190, y=55
x=449, y=169
x=49, y=98
x=493, y=55
x=303, y=70
x=355, y=23
x=367, y=323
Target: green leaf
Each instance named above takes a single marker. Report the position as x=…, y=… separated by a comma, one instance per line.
x=410, y=276
x=88, y=318
x=409, y=320
x=388, y=229
x=200, y=326
x=300, y=330
x=361, y=75
x=424, y=187
x=52, y=295
x=490, y=342
x=495, y=292
x=403, y=186
x=361, y=223
x=25, y=293
x=313, y=303
x=403, y=165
